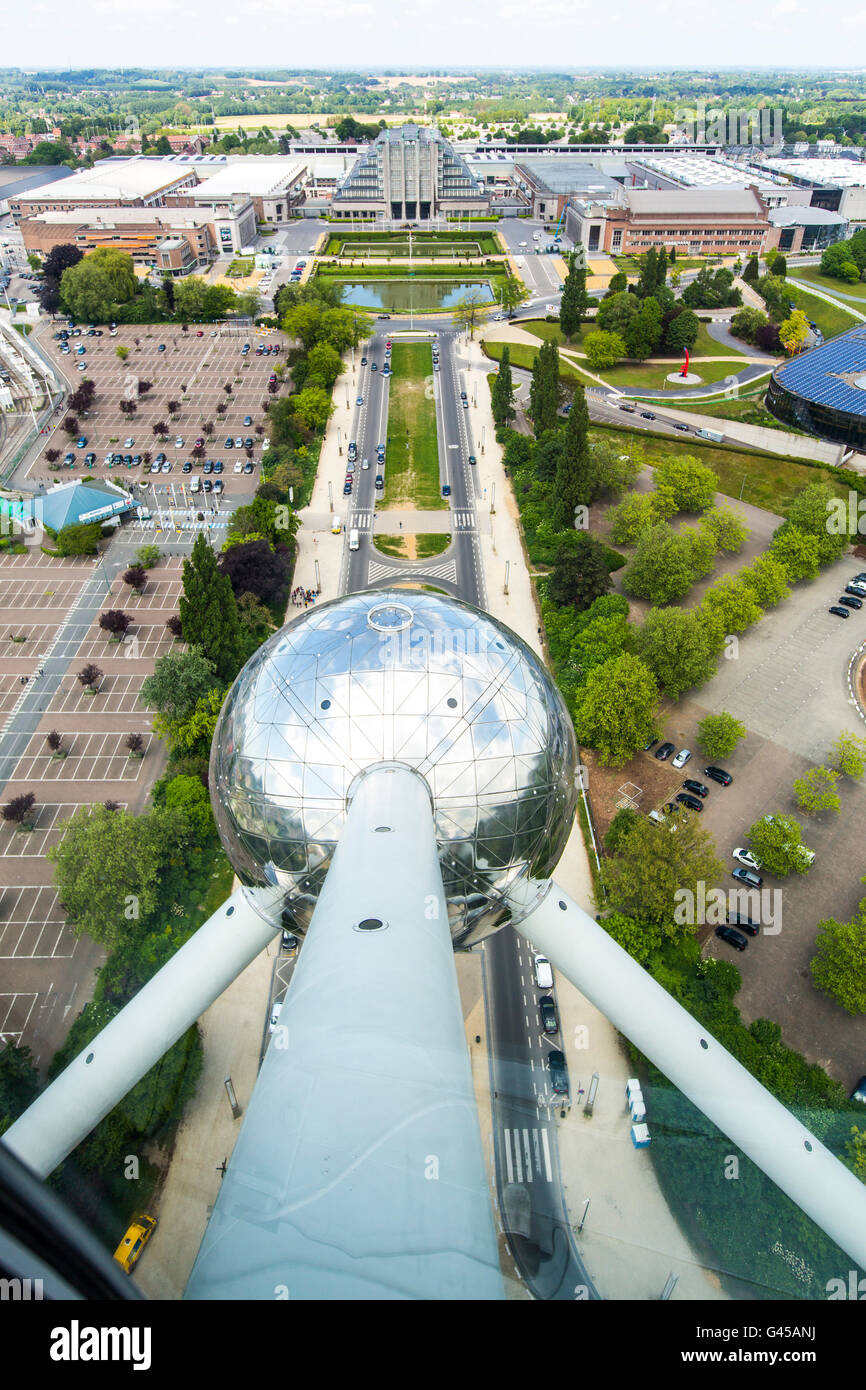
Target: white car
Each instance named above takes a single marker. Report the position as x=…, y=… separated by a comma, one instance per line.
x=681, y=758
x=112, y=333
x=543, y=973
x=239, y=467
x=109, y=458
x=128, y=443
x=178, y=443
x=744, y=857
x=82, y=366
x=239, y=443
x=275, y=1016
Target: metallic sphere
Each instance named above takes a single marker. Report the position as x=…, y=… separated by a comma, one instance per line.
x=395, y=676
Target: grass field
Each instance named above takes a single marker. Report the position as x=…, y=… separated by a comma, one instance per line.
x=646, y=376
x=522, y=355
x=414, y=547
x=830, y=318
x=431, y=244
x=826, y=282
x=412, y=470
x=760, y=479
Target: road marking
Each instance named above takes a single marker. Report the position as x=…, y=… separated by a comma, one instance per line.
x=545, y=1144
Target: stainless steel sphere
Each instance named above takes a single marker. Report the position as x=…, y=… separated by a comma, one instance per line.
x=395, y=676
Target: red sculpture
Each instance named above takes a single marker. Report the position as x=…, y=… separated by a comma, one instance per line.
x=685, y=370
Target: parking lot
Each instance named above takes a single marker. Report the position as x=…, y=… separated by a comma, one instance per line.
x=789, y=686
x=33, y=844
x=193, y=371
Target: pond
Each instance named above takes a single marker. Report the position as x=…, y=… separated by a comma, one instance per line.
x=418, y=296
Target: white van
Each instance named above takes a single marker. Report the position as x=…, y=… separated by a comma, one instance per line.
x=195, y=483
x=543, y=973
x=354, y=540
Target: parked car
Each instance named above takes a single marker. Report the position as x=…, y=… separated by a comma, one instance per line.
x=138, y=1234
x=650, y=743
x=379, y=481
x=718, y=774
x=685, y=799
x=738, y=920
x=859, y=1092
x=208, y=467
x=248, y=467
x=161, y=347
x=218, y=485
x=90, y=459
x=733, y=938
x=239, y=467
x=248, y=420
x=81, y=442
x=682, y=758
x=547, y=1009
x=664, y=751
x=855, y=590
x=218, y=466
x=187, y=468
x=558, y=1072
x=230, y=443
x=851, y=602
x=178, y=443
x=696, y=788
x=839, y=612
x=472, y=459
x=275, y=1016
x=359, y=401
x=747, y=876
x=543, y=973
x=743, y=856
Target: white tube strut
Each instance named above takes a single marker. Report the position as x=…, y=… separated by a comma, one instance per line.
x=699, y=1066
x=143, y=1031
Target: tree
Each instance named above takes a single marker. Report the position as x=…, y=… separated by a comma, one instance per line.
x=751, y=272
x=59, y=258
x=81, y=538
x=777, y=843
x=816, y=790
x=675, y=646
x=90, y=676
x=638, y=511
x=187, y=795
x=573, y=483
x=148, y=555
x=775, y=294
x=811, y=511
x=682, y=331
x=161, y=428
x=719, y=734
x=70, y=425
x=195, y=732
x=728, y=606
x=19, y=1083
x=848, y=755
x=643, y=334
x=502, y=392
x=793, y=331
x=55, y=742
x=116, y=622
x=312, y=407
x=544, y=389
x=617, y=709
x=662, y=569
x=616, y=312
x=603, y=350
x=767, y=577
x=174, y=626
x=647, y=878
x=109, y=866
x=798, y=552
x=255, y=619
x=135, y=744
x=92, y=289
x=178, y=682
x=620, y=828
x=253, y=567
x=580, y=574
x=173, y=407
x=324, y=365
x=839, y=964
x=208, y=612
x=692, y=484
x=575, y=301
x=135, y=577
x=469, y=312
x=727, y=530
x=511, y=294
x=747, y=321
x=711, y=289
x=19, y=810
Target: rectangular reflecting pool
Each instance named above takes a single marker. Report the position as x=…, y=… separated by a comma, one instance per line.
x=416, y=295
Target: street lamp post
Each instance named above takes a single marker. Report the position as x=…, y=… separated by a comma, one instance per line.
x=483, y=428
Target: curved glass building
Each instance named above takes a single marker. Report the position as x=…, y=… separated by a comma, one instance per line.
x=824, y=390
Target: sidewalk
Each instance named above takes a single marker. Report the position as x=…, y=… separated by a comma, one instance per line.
x=631, y=1242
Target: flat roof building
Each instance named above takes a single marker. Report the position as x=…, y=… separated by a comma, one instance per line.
x=550, y=181
x=136, y=182
x=196, y=234
x=824, y=390
x=409, y=174
x=697, y=222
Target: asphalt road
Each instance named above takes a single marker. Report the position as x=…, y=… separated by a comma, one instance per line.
x=526, y=1150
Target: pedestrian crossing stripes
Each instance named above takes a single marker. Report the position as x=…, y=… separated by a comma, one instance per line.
x=464, y=521
x=527, y=1155
x=447, y=570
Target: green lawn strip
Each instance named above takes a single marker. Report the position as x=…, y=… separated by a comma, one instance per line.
x=632, y=267
x=827, y=282
x=832, y=319
x=433, y=243
x=646, y=376
x=390, y=545
x=429, y=543
x=747, y=410
x=412, y=473
x=763, y=480
x=522, y=355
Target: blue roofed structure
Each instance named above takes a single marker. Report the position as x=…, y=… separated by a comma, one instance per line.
x=66, y=504
x=824, y=390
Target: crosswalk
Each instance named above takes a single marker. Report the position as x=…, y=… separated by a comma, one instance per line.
x=527, y=1155
x=464, y=521
x=460, y=520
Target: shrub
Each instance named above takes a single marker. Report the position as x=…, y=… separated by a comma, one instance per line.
x=19, y=809
x=90, y=676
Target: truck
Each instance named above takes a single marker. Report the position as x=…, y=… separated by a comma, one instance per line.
x=715, y=435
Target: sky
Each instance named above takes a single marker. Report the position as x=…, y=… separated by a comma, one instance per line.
x=357, y=34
